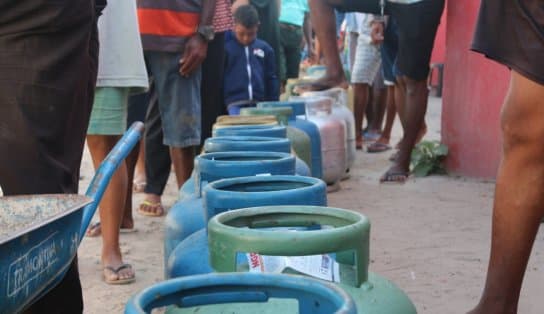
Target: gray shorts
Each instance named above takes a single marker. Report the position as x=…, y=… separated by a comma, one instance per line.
x=367, y=61
x=179, y=99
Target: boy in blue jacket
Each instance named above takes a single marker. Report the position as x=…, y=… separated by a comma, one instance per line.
x=250, y=63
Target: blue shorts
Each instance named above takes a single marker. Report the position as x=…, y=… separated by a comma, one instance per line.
x=389, y=49
x=179, y=99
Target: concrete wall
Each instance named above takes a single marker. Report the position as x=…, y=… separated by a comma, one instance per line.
x=474, y=88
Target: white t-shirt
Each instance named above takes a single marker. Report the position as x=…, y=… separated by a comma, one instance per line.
x=121, y=60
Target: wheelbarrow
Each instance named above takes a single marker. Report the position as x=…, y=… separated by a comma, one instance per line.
x=35, y=256
x=252, y=292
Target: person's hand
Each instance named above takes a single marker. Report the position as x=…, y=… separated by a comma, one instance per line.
x=376, y=32
x=196, y=49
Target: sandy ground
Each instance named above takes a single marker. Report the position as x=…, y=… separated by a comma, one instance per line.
x=430, y=236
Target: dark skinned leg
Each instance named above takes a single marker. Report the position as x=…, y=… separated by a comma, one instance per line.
x=391, y=112
x=131, y=162
x=519, y=197
x=414, y=115
x=323, y=21
x=183, y=161
x=379, y=106
x=360, y=100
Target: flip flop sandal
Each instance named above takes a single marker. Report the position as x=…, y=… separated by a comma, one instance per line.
x=116, y=271
x=378, y=147
x=157, y=212
x=93, y=231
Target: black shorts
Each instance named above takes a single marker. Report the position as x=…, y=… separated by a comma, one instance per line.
x=417, y=25
x=512, y=32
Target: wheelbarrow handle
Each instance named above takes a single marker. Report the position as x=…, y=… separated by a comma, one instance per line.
x=314, y=296
x=106, y=170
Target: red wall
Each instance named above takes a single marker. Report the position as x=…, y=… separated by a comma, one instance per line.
x=474, y=88
x=439, y=49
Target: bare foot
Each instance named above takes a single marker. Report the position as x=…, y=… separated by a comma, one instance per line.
x=395, y=174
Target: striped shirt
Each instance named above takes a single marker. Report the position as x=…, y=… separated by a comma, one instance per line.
x=166, y=25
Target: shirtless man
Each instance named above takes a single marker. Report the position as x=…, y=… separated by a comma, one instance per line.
x=512, y=33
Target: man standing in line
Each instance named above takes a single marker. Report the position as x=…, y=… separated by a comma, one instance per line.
x=175, y=36
x=512, y=33
x=417, y=22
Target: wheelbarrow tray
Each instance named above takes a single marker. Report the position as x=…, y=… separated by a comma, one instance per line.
x=35, y=259
x=39, y=254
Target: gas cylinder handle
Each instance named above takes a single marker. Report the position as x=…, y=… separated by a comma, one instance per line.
x=314, y=297
x=216, y=166
x=298, y=107
x=238, y=231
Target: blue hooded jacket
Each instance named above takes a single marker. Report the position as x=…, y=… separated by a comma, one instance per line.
x=250, y=72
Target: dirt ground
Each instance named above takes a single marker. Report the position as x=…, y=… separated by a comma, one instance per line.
x=430, y=236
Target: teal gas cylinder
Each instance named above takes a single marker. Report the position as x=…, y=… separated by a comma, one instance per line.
x=190, y=256
x=187, y=215
x=345, y=234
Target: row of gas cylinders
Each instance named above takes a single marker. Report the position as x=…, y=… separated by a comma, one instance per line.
x=321, y=128
x=248, y=194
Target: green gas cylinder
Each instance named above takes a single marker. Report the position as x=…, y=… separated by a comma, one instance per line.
x=345, y=233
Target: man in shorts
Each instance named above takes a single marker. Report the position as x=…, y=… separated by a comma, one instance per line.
x=175, y=36
x=512, y=33
x=366, y=65
x=417, y=22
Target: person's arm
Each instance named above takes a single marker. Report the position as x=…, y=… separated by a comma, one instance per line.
x=196, y=47
x=272, y=83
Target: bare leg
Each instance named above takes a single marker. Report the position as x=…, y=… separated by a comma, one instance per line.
x=360, y=100
x=400, y=101
x=111, y=208
x=323, y=22
x=131, y=162
x=382, y=144
x=391, y=112
x=379, y=105
x=183, y=160
x=414, y=115
x=519, y=197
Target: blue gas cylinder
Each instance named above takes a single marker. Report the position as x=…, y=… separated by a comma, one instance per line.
x=247, y=143
x=212, y=292
x=252, y=130
x=255, y=143
x=298, y=120
x=235, y=144
x=302, y=168
x=187, y=215
x=191, y=255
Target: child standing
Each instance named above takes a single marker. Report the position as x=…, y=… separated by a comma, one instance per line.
x=250, y=64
